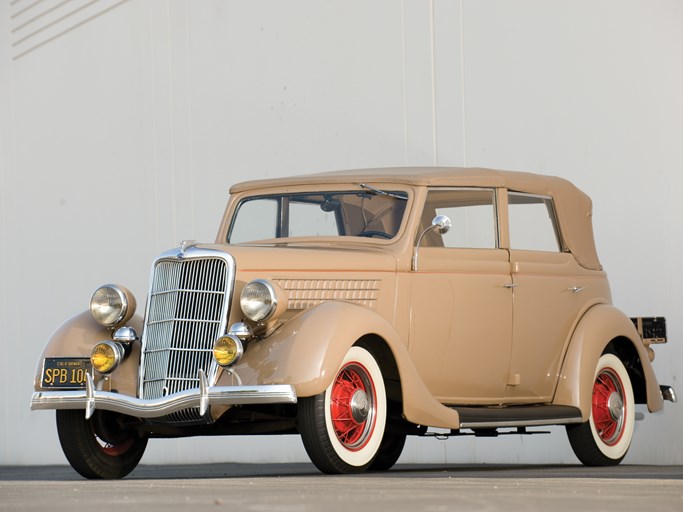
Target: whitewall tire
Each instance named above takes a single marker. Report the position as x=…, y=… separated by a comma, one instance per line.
x=606, y=437
x=342, y=428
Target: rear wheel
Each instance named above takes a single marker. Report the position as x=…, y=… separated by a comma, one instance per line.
x=342, y=427
x=99, y=447
x=606, y=437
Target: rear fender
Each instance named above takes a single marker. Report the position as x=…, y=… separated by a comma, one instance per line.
x=307, y=353
x=601, y=325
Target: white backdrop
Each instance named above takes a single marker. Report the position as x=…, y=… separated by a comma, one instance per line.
x=123, y=123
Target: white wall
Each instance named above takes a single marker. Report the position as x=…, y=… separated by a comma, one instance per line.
x=122, y=125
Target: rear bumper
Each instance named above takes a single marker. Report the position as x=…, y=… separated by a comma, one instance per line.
x=90, y=399
x=668, y=393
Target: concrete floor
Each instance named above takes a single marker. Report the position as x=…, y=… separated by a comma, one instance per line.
x=300, y=487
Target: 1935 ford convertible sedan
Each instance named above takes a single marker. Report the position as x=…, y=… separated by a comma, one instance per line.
x=356, y=308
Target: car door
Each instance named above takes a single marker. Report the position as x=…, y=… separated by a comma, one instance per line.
x=547, y=297
x=461, y=313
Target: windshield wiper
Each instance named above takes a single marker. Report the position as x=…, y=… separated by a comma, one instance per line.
x=383, y=192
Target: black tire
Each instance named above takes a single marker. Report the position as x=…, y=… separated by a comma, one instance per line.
x=99, y=447
x=389, y=451
x=605, y=438
x=342, y=427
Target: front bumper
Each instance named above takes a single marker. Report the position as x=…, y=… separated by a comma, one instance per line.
x=202, y=397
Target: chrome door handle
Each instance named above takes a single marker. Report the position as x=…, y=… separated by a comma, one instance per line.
x=576, y=289
x=510, y=285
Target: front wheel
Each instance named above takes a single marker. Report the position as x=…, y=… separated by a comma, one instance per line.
x=99, y=447
x=389, y=451
x=342, y=427
x=605, y=438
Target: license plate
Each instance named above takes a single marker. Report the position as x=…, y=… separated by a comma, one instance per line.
x=65, y=372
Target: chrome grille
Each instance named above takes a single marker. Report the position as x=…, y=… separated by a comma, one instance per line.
x=186, y=311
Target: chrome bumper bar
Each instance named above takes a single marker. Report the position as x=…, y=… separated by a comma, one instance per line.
x=668, y=393
x=202, y=397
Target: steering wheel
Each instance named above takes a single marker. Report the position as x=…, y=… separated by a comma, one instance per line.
x=378, y=234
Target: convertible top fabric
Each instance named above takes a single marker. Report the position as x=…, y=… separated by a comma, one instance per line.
x=574, y=208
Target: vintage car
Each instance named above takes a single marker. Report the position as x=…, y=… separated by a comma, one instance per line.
x=356, y=308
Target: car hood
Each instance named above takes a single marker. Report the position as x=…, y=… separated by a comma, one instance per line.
x=311, y=258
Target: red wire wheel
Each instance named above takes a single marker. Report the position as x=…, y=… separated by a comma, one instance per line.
x=609, y=407
x=352, y=406
x=115, y=450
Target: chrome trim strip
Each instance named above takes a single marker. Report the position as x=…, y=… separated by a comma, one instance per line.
x=191, y=398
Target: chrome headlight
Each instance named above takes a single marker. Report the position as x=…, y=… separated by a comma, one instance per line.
x=112, y=305
x=261, y=299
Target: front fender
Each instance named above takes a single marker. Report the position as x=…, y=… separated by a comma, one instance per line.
x=77, y=336
x=598, y=327
x=307, y=352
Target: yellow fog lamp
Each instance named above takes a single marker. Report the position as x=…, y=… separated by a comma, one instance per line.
x=106, y=356
x=227, y=350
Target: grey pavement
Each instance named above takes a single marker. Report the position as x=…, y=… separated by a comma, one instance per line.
x=294, y=487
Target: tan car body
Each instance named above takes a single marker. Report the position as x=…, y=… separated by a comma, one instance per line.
x=340, y=291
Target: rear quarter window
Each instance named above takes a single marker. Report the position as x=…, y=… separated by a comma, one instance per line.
x=532, y=221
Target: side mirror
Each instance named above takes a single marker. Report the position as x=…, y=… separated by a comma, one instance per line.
x=441, y=224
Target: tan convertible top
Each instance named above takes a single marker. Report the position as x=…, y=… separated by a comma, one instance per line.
x=573, y=207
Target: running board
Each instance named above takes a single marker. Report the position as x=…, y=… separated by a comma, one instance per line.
x=517, y=416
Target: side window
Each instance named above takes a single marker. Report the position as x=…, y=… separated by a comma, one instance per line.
x=532, y=223
x=473, y=218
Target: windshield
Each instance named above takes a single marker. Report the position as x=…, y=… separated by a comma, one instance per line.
x=370, y=213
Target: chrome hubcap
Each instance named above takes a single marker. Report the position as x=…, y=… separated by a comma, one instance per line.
x=615, y=405
x=360, y=406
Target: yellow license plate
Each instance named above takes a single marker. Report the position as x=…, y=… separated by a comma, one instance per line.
x=65, y=372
